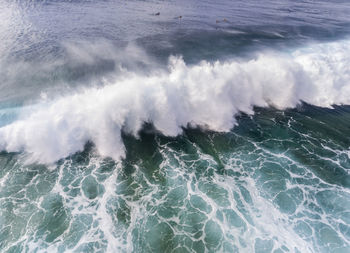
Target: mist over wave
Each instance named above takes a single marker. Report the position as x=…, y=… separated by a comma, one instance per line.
x=208, y=95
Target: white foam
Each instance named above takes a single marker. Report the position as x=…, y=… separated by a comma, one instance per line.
x=207, y=94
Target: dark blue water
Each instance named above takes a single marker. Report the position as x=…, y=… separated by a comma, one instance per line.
x=174, y=126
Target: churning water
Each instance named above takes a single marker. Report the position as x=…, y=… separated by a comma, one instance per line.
x=174, y=126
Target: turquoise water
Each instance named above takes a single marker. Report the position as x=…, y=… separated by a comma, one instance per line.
x=225, y=130
x=278, y=182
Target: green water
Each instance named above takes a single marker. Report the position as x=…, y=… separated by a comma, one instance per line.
x=278, y=182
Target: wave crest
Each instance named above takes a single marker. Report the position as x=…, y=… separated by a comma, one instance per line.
x=207, y=94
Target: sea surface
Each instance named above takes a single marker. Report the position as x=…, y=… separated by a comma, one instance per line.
x=175, y=126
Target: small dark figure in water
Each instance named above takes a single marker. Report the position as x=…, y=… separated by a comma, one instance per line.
x=224, y=20
x=157, y=14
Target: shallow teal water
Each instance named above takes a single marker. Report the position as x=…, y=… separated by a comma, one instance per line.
x=278, y=182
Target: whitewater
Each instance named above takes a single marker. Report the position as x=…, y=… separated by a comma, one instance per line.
x=207, y=95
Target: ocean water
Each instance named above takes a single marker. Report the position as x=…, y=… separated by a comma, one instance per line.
x=215, y=126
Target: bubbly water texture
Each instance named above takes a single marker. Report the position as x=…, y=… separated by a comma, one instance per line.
x=226, y=130
x=273, y=184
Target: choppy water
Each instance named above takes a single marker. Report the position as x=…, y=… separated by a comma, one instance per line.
x=225, y=130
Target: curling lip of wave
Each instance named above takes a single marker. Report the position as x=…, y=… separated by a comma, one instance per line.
x=207, y=94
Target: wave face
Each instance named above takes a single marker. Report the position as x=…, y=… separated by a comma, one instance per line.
x=206, y=95
x=225, y=130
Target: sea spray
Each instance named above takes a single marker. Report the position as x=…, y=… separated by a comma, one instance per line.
x=208, y=95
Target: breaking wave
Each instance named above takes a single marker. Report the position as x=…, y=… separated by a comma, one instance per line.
x=208, y=95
